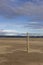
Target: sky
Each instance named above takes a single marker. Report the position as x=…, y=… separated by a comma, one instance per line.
x=21, y=15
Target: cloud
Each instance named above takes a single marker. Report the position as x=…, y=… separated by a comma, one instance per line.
x=8, y=32
x=28, y=8
x=11, y=26
x=34, y=25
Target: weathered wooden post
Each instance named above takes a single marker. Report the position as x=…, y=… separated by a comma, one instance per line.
x=27, y=42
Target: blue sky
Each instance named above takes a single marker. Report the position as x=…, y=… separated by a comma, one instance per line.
x=22, y=15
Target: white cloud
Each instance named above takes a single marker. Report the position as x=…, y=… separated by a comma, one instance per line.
x=10, y=31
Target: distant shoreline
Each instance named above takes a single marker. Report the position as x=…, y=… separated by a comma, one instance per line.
x=21, y=36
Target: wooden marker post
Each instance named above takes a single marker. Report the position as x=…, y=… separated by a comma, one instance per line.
x=28, y=42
